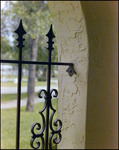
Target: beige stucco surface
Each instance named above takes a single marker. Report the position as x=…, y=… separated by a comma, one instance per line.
x=72, y=47
x=86, y=34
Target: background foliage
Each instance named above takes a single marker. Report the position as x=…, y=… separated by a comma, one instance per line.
x=35, y=21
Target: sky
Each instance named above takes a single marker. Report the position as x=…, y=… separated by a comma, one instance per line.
x=3, y=3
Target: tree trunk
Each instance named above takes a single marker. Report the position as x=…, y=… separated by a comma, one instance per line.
x=31, y=78
x=32, y=69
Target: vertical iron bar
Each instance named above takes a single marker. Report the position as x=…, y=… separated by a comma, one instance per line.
x=50, y=36
x=20, y=31
x=48, y=100
x=18, y=99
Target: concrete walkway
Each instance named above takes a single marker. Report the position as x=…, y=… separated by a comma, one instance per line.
x=9, y=90
x=13, y=103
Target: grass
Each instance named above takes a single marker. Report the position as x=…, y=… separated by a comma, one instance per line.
x=12, y=76
x=9, y=97
x=8, y=125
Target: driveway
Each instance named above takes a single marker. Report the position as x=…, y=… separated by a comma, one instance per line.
x=9, y=90
x=13, y=90
x=13, y=103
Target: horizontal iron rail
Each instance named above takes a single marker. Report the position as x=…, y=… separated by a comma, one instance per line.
x=36, y=62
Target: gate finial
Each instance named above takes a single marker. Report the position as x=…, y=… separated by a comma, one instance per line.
x=50, y=36
x=20, y=31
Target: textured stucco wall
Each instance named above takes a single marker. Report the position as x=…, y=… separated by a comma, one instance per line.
x=72, y=47
x=87, y=103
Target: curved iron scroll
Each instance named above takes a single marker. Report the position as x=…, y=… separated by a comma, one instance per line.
x=39, y=135
x=56, y=132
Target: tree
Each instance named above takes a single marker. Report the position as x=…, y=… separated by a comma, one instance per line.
x=5, y=48
x=5, y=42
x=36, y=21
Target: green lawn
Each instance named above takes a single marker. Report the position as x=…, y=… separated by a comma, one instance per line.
x=12, y=76
x=8, y=125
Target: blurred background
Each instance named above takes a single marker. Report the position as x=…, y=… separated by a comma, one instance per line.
x=36, y=19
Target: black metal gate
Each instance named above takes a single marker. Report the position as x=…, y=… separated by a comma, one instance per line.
x=47, y=122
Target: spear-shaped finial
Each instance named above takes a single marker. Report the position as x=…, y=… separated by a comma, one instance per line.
x=20, y=31
x=50, y=36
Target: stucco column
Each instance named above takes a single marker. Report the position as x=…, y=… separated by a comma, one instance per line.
x=72, y=47
x=87, y=35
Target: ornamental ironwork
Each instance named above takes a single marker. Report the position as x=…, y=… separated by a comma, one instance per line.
x=47, y=121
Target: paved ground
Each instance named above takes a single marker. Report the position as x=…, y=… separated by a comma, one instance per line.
x=8, y=90
x=13, y=103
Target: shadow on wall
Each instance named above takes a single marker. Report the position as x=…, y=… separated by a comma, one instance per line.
x=101, y=117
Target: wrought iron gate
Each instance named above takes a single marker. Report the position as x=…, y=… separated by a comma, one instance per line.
x=47, y=122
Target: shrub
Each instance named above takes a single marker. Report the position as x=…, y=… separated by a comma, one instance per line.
x=41, y=78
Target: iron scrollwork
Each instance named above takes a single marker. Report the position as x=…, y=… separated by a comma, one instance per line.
x=55, y=126
x=20, y=32
x=57, y=132
x=39, y=135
